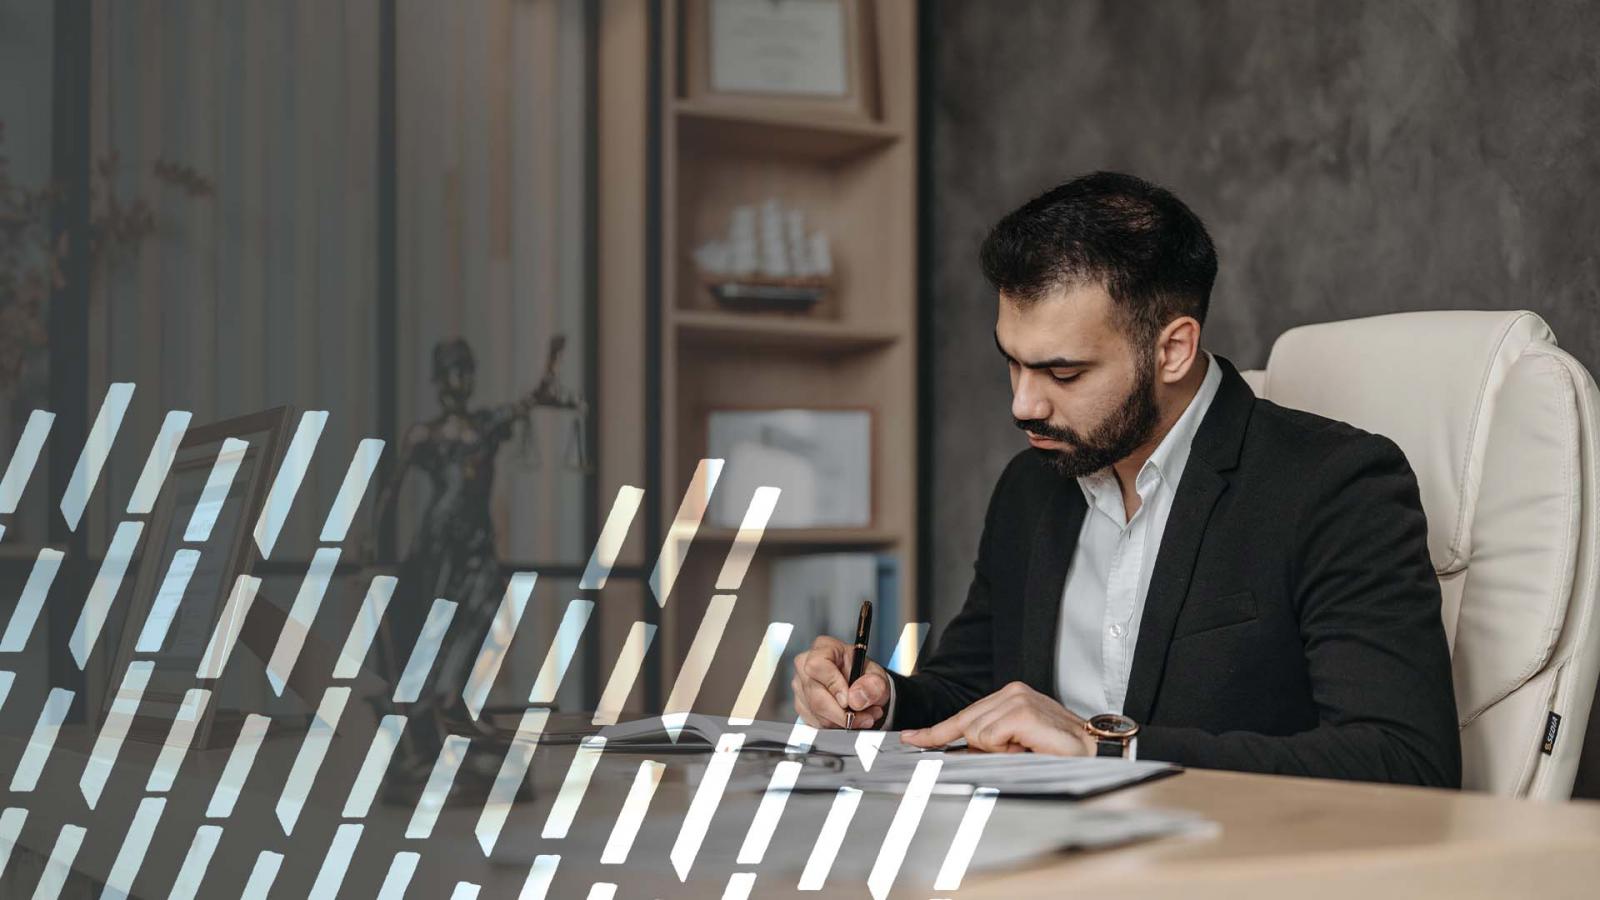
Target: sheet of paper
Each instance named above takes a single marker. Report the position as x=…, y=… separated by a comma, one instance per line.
x=1025, y=774
x=703, y=730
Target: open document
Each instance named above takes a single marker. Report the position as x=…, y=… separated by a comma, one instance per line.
x=879, y=760
x=1012, y=774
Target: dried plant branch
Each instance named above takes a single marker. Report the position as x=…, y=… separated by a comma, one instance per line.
x=32, y=258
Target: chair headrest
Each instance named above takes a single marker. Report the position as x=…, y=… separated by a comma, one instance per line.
x=1452, y=363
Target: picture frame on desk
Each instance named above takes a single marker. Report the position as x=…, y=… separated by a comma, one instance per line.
x=224, y=555
x=821, y=458
x=798, y=57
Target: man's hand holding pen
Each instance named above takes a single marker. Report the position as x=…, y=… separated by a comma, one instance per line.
x=823, y=694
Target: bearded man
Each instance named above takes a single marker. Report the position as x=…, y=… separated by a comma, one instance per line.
x=1173, y=569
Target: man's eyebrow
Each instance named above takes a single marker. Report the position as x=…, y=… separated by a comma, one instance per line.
x=1058, y=362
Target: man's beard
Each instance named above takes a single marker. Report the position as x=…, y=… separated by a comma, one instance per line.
x=1129, y=426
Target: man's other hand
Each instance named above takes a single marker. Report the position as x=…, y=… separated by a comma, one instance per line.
x=1014, y=719
x=823, y=693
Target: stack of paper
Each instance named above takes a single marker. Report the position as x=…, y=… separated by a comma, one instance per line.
x=880, y=761
x=1012, y=774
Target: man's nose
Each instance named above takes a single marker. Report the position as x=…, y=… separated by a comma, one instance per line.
x=1027, y=400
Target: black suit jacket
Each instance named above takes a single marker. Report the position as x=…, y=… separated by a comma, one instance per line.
x=1292, y=623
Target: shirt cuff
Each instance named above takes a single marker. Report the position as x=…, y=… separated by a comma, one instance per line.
x=888, y=712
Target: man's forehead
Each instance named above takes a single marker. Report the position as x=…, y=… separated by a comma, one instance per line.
x=1067, y=321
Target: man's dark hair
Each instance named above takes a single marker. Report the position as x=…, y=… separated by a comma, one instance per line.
x=1146, y=247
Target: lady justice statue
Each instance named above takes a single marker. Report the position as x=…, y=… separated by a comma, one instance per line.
x=452, y=555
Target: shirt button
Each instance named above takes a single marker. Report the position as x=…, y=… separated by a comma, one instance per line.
x=1116, y=631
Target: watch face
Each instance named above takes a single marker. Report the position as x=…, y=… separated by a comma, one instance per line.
x=1113, y=724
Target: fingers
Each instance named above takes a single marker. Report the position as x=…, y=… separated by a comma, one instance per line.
x=832, y=648
x=802, y=704
x=994, y=731
x=1021, y=729
x=825, y=706
x=816, y=704
x=959, y=725
x=871, y=689
x=867, y=719
x=991, y=725
x=824, y=663
x=817, y=708
x=801, y=709
x=940, y=734
x=1013, y=721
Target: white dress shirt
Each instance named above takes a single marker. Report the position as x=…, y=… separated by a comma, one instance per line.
x=1103, y=601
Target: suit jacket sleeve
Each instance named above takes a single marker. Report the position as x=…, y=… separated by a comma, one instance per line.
x=961, y=669
x=1369, y=610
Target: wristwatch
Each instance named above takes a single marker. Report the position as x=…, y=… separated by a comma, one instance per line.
x=1113, y=735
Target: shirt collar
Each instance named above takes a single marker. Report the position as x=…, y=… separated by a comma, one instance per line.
x=1167, y=461
x=1172, y=454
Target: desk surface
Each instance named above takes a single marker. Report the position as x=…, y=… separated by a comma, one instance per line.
x=1316, y=838
x=1321, y=838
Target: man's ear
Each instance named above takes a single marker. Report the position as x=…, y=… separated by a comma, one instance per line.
x=1177, y=349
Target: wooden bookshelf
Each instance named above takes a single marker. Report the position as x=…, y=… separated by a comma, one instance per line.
x=855, y=178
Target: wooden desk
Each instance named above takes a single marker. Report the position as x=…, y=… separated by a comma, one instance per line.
x=1277, y=836
x=1309, y=838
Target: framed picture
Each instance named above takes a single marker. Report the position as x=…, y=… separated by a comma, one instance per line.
x=808, y=56
x=820, y=458
x=224, y=555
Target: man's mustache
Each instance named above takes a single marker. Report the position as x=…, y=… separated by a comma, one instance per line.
x=1050, y=432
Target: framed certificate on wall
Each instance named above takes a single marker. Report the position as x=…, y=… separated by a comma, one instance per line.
x=812, y=56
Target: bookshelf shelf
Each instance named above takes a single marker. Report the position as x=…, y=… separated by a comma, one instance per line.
x=753, y=130
x=799, y=333
x=809, y=538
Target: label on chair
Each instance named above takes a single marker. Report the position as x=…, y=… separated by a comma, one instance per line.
x=1551, y=726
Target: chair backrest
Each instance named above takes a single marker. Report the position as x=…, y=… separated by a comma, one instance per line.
x=1499, y=425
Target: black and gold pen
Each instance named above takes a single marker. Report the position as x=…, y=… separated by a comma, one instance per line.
x=858, y=658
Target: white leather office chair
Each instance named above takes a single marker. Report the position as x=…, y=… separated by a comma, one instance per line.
x=1500, y=426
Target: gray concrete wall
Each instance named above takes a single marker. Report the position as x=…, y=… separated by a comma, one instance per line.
x=1351, y=157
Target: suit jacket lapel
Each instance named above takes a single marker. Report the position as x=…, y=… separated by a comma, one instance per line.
x=1169, y=584
x=1054, y=542
x=1216, y=450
